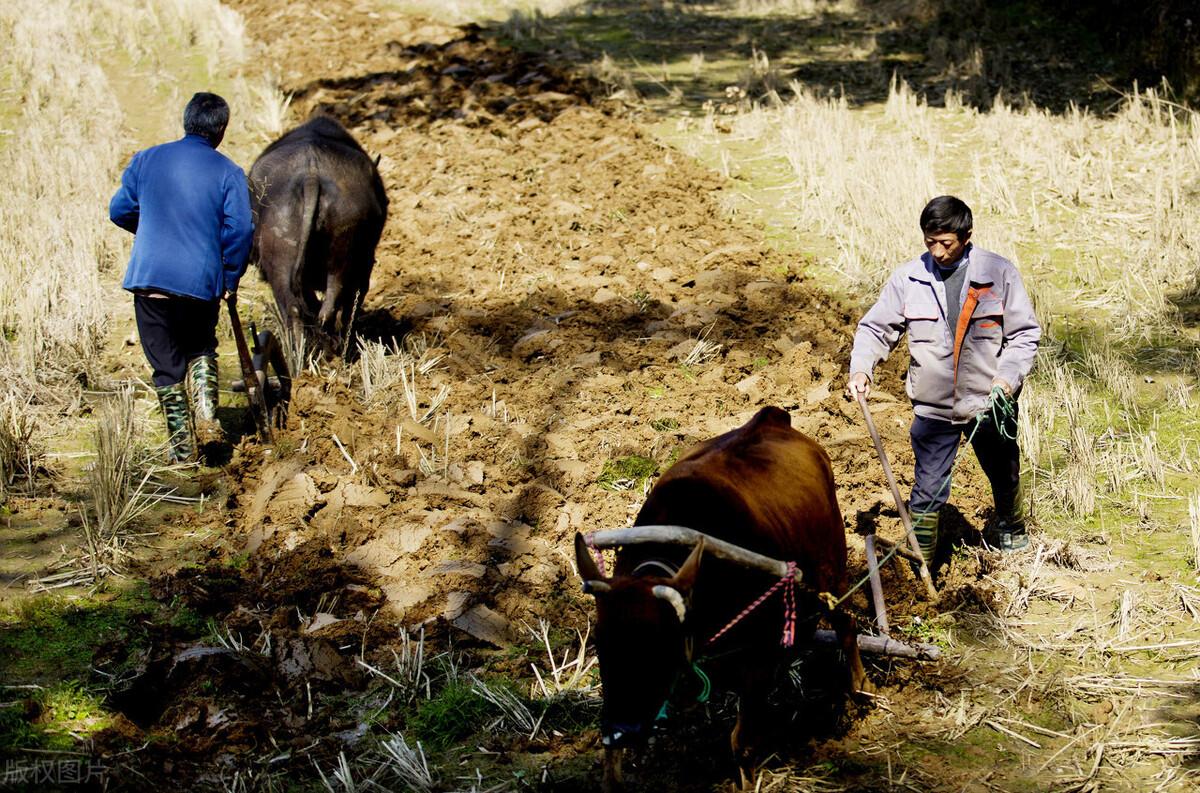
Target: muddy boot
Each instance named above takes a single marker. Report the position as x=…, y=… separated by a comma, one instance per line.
x=174, y=402
x=202, y=390
x=925, y=526
x=1010, y=533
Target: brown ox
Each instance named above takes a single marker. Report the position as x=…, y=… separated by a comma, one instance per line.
x=764, y=487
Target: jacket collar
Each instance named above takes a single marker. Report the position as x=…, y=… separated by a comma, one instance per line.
x=192, y=136
x=921, y=269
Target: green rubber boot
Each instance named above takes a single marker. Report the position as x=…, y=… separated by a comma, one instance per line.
x=174, y=402
x=925, y=526
x=1011, y=534
x=202, y=390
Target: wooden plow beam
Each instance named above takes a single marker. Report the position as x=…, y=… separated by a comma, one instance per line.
x=681, y=535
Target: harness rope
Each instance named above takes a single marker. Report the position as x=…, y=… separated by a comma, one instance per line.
x=788, y=582
x=597, y=554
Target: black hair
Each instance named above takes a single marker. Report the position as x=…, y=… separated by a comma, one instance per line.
x=947, y=214
x=206, y=114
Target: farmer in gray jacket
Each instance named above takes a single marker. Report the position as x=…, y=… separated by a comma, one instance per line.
x=972, y=336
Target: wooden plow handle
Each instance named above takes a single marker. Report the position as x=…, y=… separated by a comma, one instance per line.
x=900, y=507
x=254, y=387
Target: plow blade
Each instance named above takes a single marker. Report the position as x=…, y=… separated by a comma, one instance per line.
x=883, y=645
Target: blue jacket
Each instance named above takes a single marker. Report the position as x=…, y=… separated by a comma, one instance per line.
x=189, y=209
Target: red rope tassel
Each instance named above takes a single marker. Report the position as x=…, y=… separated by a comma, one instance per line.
x=789, y=608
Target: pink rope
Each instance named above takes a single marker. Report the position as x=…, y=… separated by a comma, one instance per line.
x=597, y=554
x=788, y=582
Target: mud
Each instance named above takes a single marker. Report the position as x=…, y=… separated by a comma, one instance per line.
x=559, y=266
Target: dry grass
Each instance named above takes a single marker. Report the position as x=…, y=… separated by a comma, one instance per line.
x=570, y=676
x=1194, y=526
x=121, y=488
x=409, y=764
x=840, y=166
x=21, y=451
x=408, y=676
x=402, y=375
x=119, y=482
x=514, y=714
x=703, y=350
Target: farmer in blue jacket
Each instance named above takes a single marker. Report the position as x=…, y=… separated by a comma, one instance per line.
x=972, y=338
x=189, y=209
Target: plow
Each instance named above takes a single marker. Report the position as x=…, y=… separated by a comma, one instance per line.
x=266, y=379
x=882, y=644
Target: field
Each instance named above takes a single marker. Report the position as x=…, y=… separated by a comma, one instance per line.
x=615, y=229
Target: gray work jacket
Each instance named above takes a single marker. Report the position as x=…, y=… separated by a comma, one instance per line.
x=952, y=364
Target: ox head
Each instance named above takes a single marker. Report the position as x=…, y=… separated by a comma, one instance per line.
x=640, y=641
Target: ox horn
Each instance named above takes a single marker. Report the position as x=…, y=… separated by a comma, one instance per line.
x=596, y=587
x=673, y=597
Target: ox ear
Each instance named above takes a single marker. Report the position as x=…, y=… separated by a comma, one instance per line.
x=586, y=565
x=685, y=579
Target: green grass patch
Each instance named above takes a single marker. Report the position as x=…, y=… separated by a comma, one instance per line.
x=664, y=425
x=16, y=732
x=69, y=712
x=451, y=716
x=54, y=718
x=45, y=639
x=627, y=473
x=49, y=639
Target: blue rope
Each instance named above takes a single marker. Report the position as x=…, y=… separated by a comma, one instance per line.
x=702, y=697
x=706, y=684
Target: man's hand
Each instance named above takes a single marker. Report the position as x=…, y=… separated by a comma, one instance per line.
x=230, y=294
x=1003, y=385
x=859, y=383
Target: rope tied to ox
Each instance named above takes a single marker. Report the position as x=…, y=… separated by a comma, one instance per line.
x=597, y=554
x=788, y=584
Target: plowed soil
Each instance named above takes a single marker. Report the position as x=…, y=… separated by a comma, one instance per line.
x=557, y=267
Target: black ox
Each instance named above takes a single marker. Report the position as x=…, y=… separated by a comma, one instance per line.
x=319, y=209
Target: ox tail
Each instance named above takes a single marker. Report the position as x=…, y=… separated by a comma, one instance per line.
x=310, y=194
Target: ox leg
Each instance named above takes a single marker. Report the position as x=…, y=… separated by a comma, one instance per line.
x=331, y=302
x=614, y=776
x=753, y=714
x=275, y=256
x=847, y=633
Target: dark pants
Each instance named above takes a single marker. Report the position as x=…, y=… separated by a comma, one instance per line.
x=174, y=330
x=935, y=445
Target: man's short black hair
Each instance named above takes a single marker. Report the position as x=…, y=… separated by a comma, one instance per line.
x=947, y=214
x=206, y=114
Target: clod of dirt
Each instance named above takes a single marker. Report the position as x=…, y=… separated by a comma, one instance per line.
x=304, y=659
x=485, y=625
